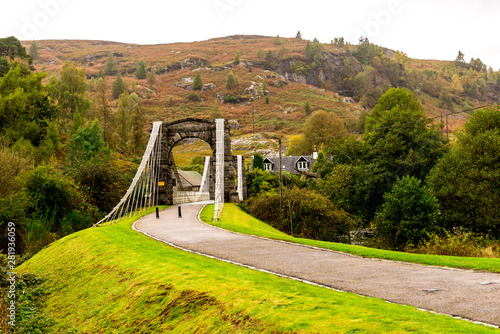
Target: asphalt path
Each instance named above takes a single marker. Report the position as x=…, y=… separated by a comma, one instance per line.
x=465, y=294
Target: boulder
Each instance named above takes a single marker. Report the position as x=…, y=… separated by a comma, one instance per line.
x=208, y=86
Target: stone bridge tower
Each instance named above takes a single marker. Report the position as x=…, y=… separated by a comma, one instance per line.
x=174, y=132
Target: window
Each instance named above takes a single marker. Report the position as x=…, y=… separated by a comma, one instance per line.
x=268, y=166
x=302, y=165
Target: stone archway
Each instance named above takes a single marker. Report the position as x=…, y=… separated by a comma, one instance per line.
x=204, y=130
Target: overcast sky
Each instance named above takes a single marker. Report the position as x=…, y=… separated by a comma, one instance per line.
x=425, y=29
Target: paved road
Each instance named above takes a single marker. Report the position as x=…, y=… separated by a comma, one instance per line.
x=461, y=293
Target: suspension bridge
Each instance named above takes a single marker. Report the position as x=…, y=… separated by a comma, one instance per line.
x=156, y=181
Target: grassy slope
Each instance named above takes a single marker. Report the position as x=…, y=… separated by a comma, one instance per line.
x=115, y=280
x=235, y=219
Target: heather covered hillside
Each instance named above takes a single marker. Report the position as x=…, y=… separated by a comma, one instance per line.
x=279, y=81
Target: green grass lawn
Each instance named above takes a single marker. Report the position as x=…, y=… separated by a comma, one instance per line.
x=235, y=219
x=113, y=279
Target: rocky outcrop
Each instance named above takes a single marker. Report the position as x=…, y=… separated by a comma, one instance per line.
x=185, y=63
x=97, y=56
x=329, y=70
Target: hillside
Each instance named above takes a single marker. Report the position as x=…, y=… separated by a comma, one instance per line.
x=338, y=77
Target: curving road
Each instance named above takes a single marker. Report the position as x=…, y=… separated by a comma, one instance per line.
x=461, y=293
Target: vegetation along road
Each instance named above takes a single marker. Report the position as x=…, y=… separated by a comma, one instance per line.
x=462, y=293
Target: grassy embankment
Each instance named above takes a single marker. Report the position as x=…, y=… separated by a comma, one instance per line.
x=235, y=219
x=115, y=280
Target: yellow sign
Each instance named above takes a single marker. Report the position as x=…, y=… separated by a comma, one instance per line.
x=161, y=184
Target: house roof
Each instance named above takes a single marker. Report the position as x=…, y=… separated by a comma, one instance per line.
x=192, y=177
x=289, y=162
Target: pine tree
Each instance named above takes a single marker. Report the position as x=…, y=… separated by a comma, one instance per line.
x=307, y=108
x=237, y=58
x=151, y=78
x=33, y=51
x=110, y=67
x=102, y=111
x=299, y=35
x=263, y=89
x=197, y=83
x=232, y=80
x=118, y=86
x=140, y=72
x=123, y=119
x=137, y=124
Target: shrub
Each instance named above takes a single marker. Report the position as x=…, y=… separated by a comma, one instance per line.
x=194, y=97
x=230, y=99
x=459, y=243
x=299, y=68
x=305, y=213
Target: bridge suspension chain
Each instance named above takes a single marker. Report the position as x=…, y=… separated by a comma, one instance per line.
x=143, y=191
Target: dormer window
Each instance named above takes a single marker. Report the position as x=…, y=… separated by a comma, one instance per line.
x=268, y=166
x=302, y=165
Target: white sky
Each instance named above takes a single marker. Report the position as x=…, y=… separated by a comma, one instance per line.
x=423, y=29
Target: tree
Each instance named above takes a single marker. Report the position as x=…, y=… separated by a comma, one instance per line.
x=140, y=72
x=237, y=58
x=277, y=40
x=197, y=83
x=151, y=79
x=33, y=51
x=123, y=114
x=232, y=80
x=11, y=47
x=110, y=66
x=460, y=60
x=445, y=100
x=408, y=215
x=270, y=60
x=102, y=111
x=465, y=181
x=322, y=128
x=307, y=108
x=313, y=52
x=339, y=42
x=258, y=161
x=25, y=108
x=71, y=91
x=138, y=121
x=118, y=86
x=299, y=35
x=398, y=142
x=86, y=143
x=365, y=51
x=399, y=136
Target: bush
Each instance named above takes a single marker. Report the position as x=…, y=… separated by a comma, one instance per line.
x=305, y=214
x=38, y=235
x=459, y=243
x=194, y=97
x=230, y=99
